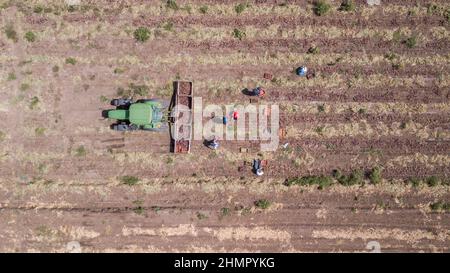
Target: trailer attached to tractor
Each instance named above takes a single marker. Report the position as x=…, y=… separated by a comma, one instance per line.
x=158, y=115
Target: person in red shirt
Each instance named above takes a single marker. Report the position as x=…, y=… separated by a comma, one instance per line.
x=262, y=93
x=235, y=115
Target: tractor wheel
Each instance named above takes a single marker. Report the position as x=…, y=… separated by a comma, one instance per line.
x=121, y=102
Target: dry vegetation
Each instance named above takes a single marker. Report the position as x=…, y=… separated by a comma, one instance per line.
x=369, y=135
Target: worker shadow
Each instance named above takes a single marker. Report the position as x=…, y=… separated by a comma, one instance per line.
x=246, y=92
x=206, y=142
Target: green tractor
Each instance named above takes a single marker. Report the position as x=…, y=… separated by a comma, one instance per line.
x=145, y=114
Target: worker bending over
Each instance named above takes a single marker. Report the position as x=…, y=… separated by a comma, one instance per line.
x=213, y=143
x=258, y=91
x=257, y=167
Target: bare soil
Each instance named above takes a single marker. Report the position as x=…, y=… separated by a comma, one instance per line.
x=185, y=101
x=185, y=88
x=60, y=164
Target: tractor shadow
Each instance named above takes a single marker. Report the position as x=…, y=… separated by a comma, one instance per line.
x=171, y=119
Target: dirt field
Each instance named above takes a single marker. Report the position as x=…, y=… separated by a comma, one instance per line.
x=380, y=98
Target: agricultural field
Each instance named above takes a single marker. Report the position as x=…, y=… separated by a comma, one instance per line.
x=368, y=135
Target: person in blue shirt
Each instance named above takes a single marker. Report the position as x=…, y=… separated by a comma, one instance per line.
x=257, y=167
x=301, y=71
x=258, y=91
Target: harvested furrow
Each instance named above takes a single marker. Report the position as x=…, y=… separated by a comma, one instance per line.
x=282, y=169
x=297, y=232
x=344, y=65
x=341, y=149
x=406, y=3
x=199, y=71
x=126, y=208
x=195, y=200
x=389, y=69
x=257, y=69
x=112, y=5
x=424, y=90
x=100, y=52
x=340, y=45
x=285, y=22
x=93, y=168
x=193, y=195
x=291, y=202
x=384, y=146
x=391, y=146
x=415, y=170
x=330, y=81
x=441, y=120
x=432, y=94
